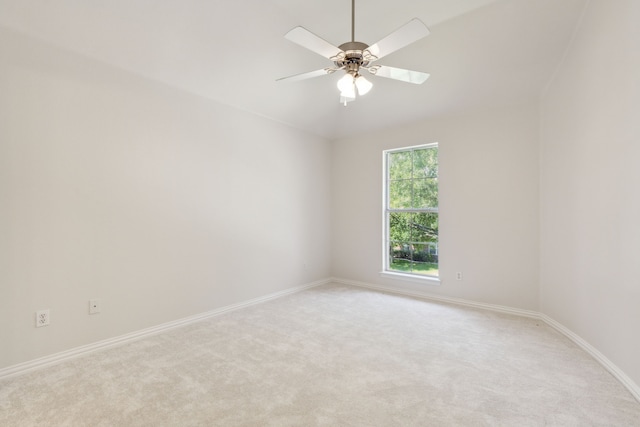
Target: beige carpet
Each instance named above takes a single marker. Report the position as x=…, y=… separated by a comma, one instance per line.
x=331, y=356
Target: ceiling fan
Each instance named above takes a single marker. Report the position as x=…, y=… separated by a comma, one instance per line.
x=353, y=57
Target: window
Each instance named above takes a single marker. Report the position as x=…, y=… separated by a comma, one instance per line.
x=411, y=210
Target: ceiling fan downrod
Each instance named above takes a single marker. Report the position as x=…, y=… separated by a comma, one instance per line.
x=353, y=54
x=353, y=20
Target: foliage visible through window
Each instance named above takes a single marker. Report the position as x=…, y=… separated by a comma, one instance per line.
x=411, y=210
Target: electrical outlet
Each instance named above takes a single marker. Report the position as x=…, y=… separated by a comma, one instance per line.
x=94, y=306
x=459, y=275
x=42, y=318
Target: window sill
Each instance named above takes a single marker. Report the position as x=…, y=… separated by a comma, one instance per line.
x=425, y=280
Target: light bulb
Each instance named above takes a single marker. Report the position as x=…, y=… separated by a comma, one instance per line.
x=363, y=85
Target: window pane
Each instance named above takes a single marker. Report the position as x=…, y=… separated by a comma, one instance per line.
x=424, y=261
x=424, y=268
x=399, y=227
x=400, y=165
x=425, y=193
x=399, y=257
x=400, y=194
x=401, y=265
x=424, y=227
x=425, y=163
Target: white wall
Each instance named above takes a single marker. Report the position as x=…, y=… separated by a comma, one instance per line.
x=488, y=205
x=590, y=178
x=160, y=203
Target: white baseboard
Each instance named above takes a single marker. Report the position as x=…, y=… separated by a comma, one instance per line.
x=53, y=359
x=633, y=388
x=614, y=370
x=449, y=300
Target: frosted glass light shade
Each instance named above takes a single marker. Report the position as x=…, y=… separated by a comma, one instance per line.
x=347, y=89
x=345, y=84
x=363, y=85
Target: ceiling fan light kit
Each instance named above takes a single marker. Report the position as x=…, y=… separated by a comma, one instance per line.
x=353, y=56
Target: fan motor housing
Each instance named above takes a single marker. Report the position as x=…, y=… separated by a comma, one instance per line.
x=353, y=55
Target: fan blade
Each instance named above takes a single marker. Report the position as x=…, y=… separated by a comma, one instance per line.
x=306, y=38
x=410, y=32
x=415, y=77
x=310, y=74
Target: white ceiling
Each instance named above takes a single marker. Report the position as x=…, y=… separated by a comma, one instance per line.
x=481, y=53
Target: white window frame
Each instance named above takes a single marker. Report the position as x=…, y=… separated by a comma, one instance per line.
x=386, y=211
